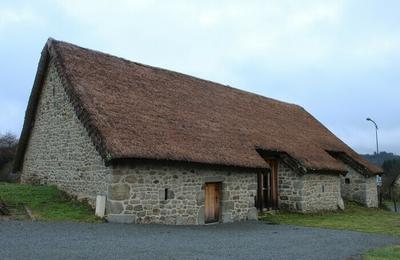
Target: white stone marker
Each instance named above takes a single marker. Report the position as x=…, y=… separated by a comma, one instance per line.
x=100, y=205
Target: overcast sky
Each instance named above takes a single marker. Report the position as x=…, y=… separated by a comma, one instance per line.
x=338, y=59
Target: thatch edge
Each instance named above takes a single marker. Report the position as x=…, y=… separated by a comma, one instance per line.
x=349, y=160
x=167, y=162
x=49, y=52
x=80, y=111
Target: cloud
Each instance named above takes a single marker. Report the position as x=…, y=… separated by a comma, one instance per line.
x=287, y=34
x=378, y=48
x=9, y=17
x=316, y=14
x=216, y=35
x=336, y=58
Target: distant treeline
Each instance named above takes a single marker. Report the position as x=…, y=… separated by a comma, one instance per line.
x=380, y=158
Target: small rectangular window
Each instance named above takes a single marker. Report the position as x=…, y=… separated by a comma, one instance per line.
x=166, y=194
x=323, y=188
x=347, y=181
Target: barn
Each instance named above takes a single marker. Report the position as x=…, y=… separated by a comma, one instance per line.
x=164, y=147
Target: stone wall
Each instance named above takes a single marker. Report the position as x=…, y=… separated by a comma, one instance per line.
x=290, y=188
x=59, y=150
x=309, y=192
x=356, y=187
x=139, y=192
x=320, y=192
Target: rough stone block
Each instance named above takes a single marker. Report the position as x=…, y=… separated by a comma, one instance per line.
x=300, y=206
x=121, y=218
x=200, y=198
x=179, y=220
x=252, y=186
x=228, y=205
x=200, y=216
x=252, y=214
x=171, y=194
x=138, y=208
x=131, y=179
x=227, y=218
x=115, y=207
x=298, y=185
x=119, y=192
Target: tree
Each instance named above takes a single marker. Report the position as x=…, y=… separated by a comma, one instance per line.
x=8, y=148
x=8, y=140
x=391, y=170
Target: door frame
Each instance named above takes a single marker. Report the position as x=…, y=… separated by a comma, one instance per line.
x=268, y=188
x=218, y=219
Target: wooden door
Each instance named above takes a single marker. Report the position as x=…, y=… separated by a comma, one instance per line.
x=212, y=202
x=268, y=187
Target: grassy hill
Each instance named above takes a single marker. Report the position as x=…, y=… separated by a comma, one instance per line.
x=46, y=202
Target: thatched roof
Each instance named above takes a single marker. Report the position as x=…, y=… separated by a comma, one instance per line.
x=137, y=111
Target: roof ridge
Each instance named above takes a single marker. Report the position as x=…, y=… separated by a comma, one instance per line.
x=51, y=42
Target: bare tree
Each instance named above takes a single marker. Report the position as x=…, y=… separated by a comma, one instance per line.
x=8, y=147
x=8, y=140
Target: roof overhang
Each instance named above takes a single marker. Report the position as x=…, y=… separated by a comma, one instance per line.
x=348, y=160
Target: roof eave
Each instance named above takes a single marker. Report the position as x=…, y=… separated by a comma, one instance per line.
x=347, y=159
x=136, y=160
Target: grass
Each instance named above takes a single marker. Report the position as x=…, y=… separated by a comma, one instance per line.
x=47, y=203
x=391, y=252
x=354, y=217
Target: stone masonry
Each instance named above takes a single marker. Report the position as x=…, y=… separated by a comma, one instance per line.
x=175, y=194
x=309, y=192
x=359, y=188
x=59, y=151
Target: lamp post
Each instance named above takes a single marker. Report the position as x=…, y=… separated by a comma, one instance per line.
x=378, y=178
x=376, y=134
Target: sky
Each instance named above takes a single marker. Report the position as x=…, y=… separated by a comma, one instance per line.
x=337, y=59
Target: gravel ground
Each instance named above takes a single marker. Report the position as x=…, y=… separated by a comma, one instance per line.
x=249, y=240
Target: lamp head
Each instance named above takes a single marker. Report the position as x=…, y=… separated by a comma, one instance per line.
x=369, y=119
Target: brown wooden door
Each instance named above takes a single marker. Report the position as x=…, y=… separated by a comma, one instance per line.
x=212, y=202
x=268, y=187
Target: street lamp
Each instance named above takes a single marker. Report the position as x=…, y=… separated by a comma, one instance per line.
x=376, y=134
x=378, y=178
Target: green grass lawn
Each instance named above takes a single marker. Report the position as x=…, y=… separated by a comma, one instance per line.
x=47, y=202
x=391, y=252
x=354, y=217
